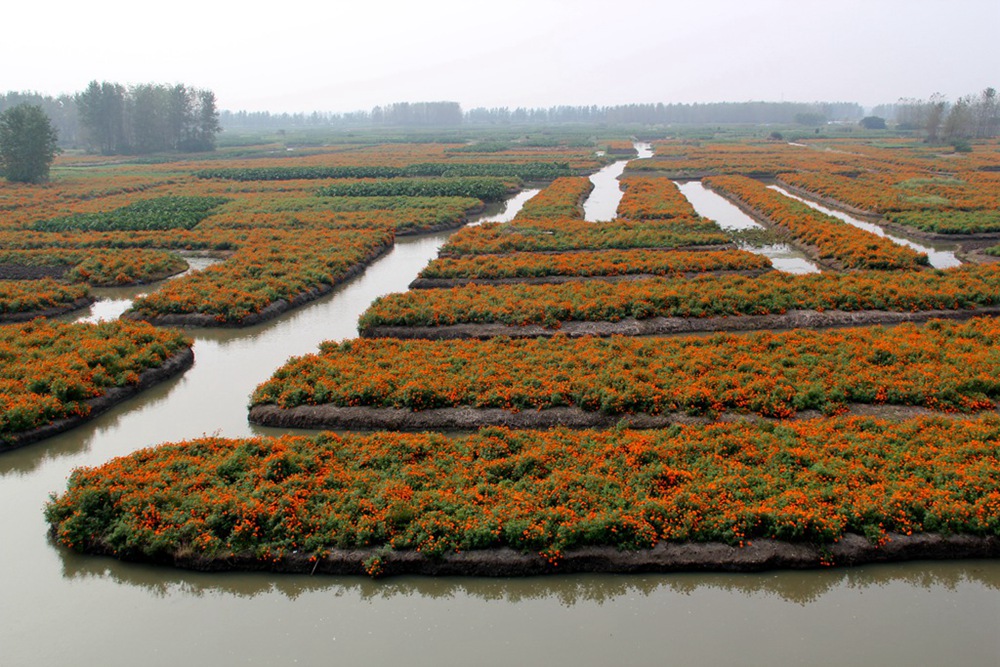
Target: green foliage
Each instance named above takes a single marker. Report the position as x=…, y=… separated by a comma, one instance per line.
x=486, y=189
x=872, y=123
x=147, y=215
x=948, y=222
x=28, y=144
x=526, y=170
x=299, y=173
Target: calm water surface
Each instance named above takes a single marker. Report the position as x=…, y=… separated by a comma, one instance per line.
x=941, y=255
x=59, y=608
x=602, y=203
x=709, y=204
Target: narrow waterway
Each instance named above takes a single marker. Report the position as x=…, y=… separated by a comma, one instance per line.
x=60, y=608
x=709, y=204
x=941, y=255
x=602, y=203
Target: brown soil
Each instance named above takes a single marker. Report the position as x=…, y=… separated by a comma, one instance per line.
x=363, y=418
x=756, y=556
x=174, y=365
x=31, y=272
x=794, y=319
x=977, y=256
x=82, y=302
x=434, y=283
x=270, y=312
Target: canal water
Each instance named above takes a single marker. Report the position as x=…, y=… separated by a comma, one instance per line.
x=602, y=203
x=60, y=608
x=709, y=204
x=941, y=255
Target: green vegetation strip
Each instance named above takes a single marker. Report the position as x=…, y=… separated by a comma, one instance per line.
x=147, y=215
x=215, y=503
x=486, y=189
x=948, y=222
x=530, y=171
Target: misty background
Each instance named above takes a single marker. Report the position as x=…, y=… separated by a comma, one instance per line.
x=340, y=57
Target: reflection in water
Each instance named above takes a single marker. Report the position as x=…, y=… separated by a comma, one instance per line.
x=941, y=255
x=799, y=587
x=712, y=205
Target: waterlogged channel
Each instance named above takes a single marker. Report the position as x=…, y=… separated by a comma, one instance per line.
x=709, y=204
x=61, y=608
x=941, y=255
x=602, y=203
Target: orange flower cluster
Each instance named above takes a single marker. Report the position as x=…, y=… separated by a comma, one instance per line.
x=563, y=198
x=51, y=369
x=940, y=365
x=19, y=296
x=596, y=263
x=834, y=239
x=566, y=234
x=95, y=267
x=653, y=198
x=966, y=287
x=905, y=191
x=273, y=265
x=537, y=491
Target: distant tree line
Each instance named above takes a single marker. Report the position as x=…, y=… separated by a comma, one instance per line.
x=116, y=119
x=969, y=117
x=450, y=114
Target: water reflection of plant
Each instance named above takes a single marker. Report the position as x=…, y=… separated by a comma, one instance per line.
x=801, y=588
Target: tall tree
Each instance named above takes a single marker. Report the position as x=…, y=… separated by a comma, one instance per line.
x=28, y=144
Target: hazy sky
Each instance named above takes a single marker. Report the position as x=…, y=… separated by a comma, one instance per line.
x=330, y=55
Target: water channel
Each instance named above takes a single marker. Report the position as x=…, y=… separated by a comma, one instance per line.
x=941, y=255
x=60, y=608
x=602, y=203
x=709, y=204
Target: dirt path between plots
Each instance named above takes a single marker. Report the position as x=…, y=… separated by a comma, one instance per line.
x=467, y=418
x=174, y=365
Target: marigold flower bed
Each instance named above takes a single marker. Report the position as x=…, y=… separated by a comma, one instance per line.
x=966, y=287
x=53, y=371
x=565, y=234
x=21, y=299
x=275, y=270
x=563, y=198
x=597, y=263
x=832, y=238
x=941, y=365
x=653, y=198
x=386, y=503
x=100, y=268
